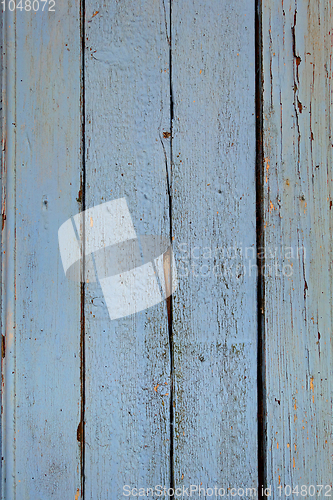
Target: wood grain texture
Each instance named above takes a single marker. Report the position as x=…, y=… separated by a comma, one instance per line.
x=193, y=178
x=214, y=222
x=297, y=64
x=127, y=360
x=41, y=313
x=1, y=184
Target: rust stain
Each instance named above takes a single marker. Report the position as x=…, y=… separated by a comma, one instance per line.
x=91, y=222
x=79, y=196
x=156, y=387
x=95, y=14
x=79, y=432
x=267, y=168
x=166, y=135
x=77, y=494
x=3, y=220
x=3, y=347
x=300, y=106
x=312, y=388
x=311, y=384
x=267, y=163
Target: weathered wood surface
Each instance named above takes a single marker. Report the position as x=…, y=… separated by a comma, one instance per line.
x=1, y=185
x=193, y=179
x=213, y=223
x=297, y=63
x=41, y=313
x=127, y=111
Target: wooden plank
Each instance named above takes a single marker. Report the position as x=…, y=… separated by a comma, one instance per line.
x=298, y=227
x=214, y=222
x=41, y=308
x=1, y=184
x=127, y=115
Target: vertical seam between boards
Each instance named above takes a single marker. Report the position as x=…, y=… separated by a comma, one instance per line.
x=82, y=288
x=260, y=241
x=170, y=299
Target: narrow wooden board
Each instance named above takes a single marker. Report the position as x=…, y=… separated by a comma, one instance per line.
x=41, y=308
x=1, y=184
x=297, y=65
x=127, y=366
x=214, y=222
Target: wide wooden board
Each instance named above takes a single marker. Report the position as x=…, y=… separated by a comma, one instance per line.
x=127, y=123
x=214, y=230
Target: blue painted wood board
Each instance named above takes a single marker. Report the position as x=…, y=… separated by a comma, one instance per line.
x=155, y=102
x=41, y=308
x=297, y=137
x=214, y=226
